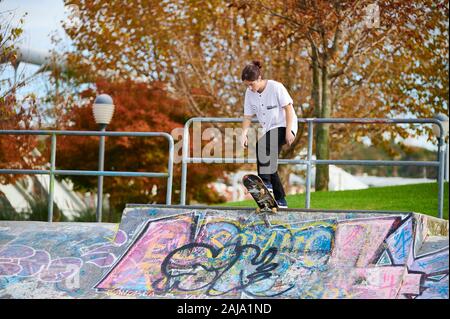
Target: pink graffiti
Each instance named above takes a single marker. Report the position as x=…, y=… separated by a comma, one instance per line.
x=371, y=258
x=141, y=264
x=25, y=261
x=16, y=251
x=34, y=264
x=363, y=283
x=357, y=241
x=9, y=269
x=100, y=254
x=60, y=269
x=411, y=284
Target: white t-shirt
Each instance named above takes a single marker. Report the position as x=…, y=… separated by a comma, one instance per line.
x=268, y=106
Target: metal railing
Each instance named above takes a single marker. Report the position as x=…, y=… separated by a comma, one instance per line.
x=309, y=162
x=53, y=171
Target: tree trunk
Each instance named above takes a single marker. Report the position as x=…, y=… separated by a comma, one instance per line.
x=316, y=87
x=322, y=137
x=316, y=95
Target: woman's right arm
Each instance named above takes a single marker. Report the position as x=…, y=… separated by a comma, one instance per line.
x=245, y=126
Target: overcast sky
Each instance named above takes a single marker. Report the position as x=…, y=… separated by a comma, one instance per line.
x=43, y=18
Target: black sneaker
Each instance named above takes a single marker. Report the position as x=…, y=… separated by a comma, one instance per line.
x=282, y=203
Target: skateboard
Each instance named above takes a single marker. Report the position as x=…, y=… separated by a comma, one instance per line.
x=263, y=198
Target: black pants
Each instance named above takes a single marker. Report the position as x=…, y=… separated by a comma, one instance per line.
x=268, y=149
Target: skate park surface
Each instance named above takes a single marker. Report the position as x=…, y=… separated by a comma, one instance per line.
x=160, y=251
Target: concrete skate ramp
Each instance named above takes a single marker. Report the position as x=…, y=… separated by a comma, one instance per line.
x=209, y=253
x=205, y=252
x=54, y=260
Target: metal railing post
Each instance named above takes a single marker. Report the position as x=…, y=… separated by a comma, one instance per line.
x=170, y=172
x=184, y=159
x=101, y=163
x=309, y=164
x=441, y=176
x=446, y=162
x=51, y=186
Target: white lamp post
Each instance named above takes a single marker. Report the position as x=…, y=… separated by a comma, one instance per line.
x=441, y=140
x=444, y=121
x=442, y=158
x=103, y=110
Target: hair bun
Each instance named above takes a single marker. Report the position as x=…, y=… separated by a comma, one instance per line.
x=257, y=63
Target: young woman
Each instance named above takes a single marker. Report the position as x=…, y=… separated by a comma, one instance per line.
x=273, y=106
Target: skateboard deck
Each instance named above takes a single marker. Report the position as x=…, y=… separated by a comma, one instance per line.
x=260, y=193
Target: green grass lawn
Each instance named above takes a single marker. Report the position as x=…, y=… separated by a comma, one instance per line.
x=419, y=198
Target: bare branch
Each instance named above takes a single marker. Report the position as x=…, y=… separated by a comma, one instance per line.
x=349, y=58
x=21, y=83
x=314, y=48
x=283, y=17
x=337, y=37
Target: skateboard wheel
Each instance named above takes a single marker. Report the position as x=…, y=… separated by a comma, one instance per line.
x=258, y=210
x=274, y=210
x=262, y=191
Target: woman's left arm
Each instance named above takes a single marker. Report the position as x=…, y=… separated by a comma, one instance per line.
x=289, y=109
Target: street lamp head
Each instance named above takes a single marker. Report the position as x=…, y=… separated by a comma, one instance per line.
x=444, y=121
x=103, y=109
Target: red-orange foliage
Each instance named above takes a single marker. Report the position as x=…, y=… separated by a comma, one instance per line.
x=15, y=150
x=138, y=107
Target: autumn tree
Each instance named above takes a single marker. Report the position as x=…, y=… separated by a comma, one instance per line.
x=406, y=77
x=198, y=47
x=16, y=113
x=338, y=58
x=10, y=33
x=365, y=58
